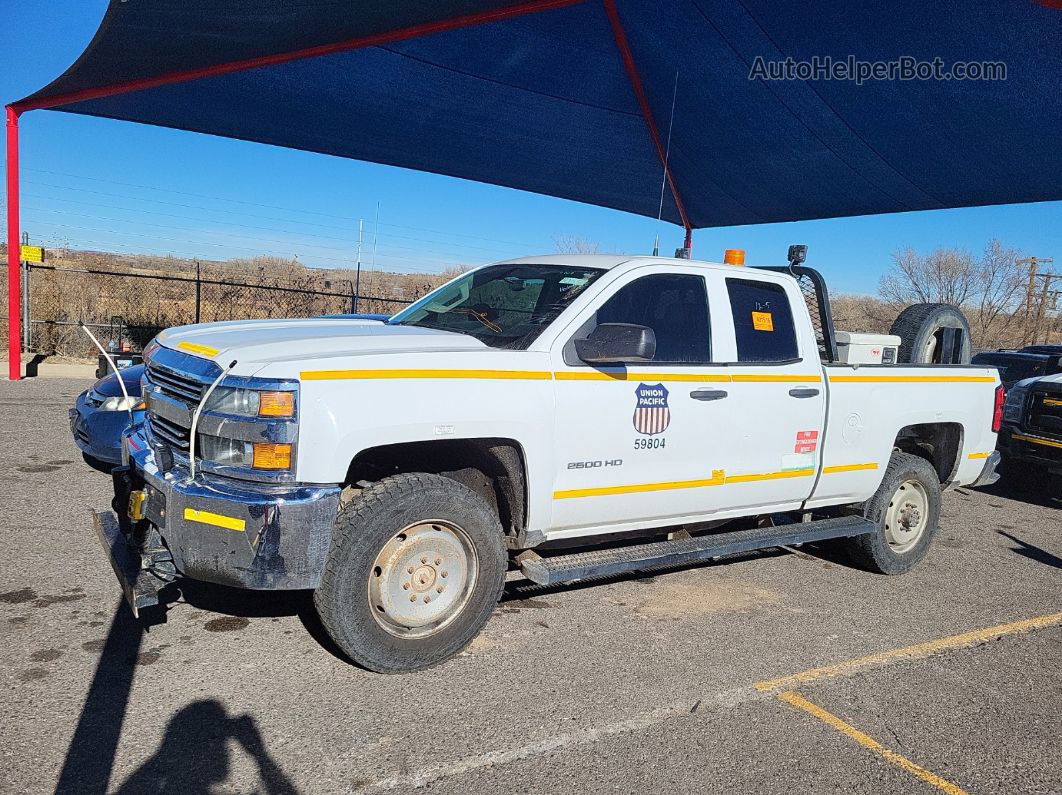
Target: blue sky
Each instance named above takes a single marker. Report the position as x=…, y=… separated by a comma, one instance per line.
x=107, y=185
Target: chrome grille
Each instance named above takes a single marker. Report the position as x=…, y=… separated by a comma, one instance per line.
x=176, y=385
x=169, y=432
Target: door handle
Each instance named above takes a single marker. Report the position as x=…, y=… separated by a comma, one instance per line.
x=803, y=392
x=708, y=394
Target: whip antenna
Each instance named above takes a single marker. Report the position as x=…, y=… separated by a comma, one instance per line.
x=667, y=157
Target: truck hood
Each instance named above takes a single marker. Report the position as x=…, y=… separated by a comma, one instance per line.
x=267, y=341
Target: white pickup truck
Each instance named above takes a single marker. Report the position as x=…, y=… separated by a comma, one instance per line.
x=651, y=411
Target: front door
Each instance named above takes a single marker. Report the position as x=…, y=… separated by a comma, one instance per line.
x=641, y=442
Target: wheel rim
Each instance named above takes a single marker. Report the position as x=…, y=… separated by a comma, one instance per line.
x=907, y=516
x=422, y=578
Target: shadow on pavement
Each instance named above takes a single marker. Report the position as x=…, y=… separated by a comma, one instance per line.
x=90, y=757
x=194, y=754
x=1047, y=494
x=254, y=604
x=1025, y=549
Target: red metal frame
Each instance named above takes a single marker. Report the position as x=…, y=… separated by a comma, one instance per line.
x=620, y=35
x=534, y=6
x=14, y=275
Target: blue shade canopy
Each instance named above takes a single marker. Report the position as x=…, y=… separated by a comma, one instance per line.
x=562, y=98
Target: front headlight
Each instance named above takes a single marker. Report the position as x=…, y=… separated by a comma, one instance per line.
x=121, y=403
x=251, y=402
x=1014, y=404
x=246, y=455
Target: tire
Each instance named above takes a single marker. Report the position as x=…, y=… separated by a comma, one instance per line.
x=891, y=549
x=917, y=326
x=419, y=530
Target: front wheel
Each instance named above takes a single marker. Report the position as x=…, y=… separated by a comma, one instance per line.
x=906, y=509
x=416, y=567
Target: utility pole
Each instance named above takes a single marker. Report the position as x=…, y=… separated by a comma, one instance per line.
x=1046, y=294
x=1034, y=264
x=357, y=274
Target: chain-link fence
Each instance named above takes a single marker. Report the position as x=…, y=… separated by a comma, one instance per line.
x=128, y=308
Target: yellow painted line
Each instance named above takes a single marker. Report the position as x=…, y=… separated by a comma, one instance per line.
x=203, y=350
x=717, y=479
x=792, y=473
x=909, y=652
x=911, y=379
x=359, y=375
x=625, y=375
x=794, y=699
x=776, y=379
x=977, y=455
x=215, y=519
x=848, y=468
x=1036, y=440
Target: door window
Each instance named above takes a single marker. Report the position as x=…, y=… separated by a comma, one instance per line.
x=763, y=321
x=674, y=306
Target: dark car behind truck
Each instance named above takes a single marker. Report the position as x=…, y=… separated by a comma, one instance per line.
x=1030, y=438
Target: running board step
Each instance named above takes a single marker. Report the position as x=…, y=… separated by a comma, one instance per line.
x=607, y=562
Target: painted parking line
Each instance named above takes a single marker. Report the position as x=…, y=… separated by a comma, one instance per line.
x=725, y=699
x=794, y=699
x=915, y=652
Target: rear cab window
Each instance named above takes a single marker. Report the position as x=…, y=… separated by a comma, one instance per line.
x=763, y=321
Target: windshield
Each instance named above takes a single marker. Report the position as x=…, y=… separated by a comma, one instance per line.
x=504, y=306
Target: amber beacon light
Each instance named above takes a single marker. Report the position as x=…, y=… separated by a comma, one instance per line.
x=734, y=256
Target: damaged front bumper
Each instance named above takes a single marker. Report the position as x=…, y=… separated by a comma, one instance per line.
x=242, y=534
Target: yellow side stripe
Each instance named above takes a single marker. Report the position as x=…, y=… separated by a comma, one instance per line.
x=717, y=479
x=792, y=473
x=356, y=375
x=775, y=379
x=1052, y=402
x=975, y=456
x=794, y=699
x=203, y=350
x=625, y=375
x=215, y=519
x=911, y=379
x=1036, y=440
x=565, y=375
x=848, y=468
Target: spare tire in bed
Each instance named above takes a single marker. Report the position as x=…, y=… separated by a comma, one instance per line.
x=922, y=329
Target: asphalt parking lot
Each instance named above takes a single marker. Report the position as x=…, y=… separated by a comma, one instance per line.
x=779, y=672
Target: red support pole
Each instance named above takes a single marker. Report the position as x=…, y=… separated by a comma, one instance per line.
x=14, y=248
x=688, y=245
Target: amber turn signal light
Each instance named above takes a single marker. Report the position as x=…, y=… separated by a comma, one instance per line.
x=276, y=404
x=272, y=456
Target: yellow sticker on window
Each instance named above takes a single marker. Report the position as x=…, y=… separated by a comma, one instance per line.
x=762, y=321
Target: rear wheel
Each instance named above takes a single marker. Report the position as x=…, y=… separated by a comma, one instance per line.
x=416, y=567
x=906, y=508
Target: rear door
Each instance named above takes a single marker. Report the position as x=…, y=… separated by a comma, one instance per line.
x=777, y=403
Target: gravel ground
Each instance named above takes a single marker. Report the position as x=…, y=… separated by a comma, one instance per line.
x=637, y=684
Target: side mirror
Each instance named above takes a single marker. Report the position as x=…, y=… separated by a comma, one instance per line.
x=617, y=343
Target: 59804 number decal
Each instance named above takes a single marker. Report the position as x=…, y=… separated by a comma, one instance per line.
x=651, y=443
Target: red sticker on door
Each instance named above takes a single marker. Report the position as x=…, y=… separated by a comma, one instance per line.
x=806, y=442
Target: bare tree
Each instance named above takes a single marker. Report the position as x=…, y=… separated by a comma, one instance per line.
x=986, y=288
x=573, y=244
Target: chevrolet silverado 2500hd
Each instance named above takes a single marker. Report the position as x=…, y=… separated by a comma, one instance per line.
x=680, y=410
